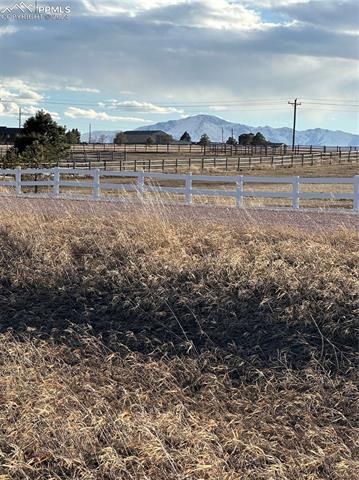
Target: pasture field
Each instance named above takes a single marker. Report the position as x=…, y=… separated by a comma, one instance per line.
x=136, y=347
x=197, y=159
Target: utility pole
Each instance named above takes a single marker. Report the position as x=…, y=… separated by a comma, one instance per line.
x=295, y=105
x=222, y=136
x=90, y=133
x=19, y=117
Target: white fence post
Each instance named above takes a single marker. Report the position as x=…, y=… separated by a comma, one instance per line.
x=140, y=184
x=96, y=184
x=356, y=194
x=295, y=192
x=18, y=180
x=239, y=190
x=56, y=186
x=188, y=188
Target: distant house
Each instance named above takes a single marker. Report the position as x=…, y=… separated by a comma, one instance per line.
x=142, y=136
x=7, y=135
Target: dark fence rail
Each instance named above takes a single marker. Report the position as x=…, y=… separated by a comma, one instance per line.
x=117, y=160
x=212, y=149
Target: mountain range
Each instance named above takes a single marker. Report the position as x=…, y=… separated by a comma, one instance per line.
x=214, y=126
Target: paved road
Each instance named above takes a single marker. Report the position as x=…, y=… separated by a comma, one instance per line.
x=312, y=221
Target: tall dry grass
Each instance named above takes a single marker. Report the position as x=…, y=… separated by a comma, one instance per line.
x=132, y=348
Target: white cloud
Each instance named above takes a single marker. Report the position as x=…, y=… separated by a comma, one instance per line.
x=142, y=107
x=8, y=30
x=74, y=112
x=17, y=90
x=130, y=7
x=12, y=109
x=8, y=109
x=218, y=108
x=80, y=89
x=273, y=3
x=62, y=85
x=212, y=14
x=29, y=111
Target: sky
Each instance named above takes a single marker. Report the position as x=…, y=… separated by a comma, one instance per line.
x=124, y=64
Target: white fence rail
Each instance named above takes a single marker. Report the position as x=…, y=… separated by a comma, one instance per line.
x=97, y=184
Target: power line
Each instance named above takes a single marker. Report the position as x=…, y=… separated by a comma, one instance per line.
x=333, y=104
x=127, y=104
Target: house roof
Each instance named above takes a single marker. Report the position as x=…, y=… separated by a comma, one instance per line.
x=145, y=132
x=9, y=130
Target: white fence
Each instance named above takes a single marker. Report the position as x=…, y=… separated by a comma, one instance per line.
x=97, y=184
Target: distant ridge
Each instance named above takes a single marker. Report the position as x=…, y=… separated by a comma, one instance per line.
x=212, y=125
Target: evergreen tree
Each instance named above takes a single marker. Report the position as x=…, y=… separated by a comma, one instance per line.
x=231, y=141
x=166, y=139
x=73, y=136
x=186, y=137
x=42, y=142
x=120, y=138
x=41, y=128
x=259, y=139
x=251, y=139
x=245, y=139
x=205, y=140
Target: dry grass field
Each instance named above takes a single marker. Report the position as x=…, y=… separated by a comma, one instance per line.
x=327, y=170
x=132, y=347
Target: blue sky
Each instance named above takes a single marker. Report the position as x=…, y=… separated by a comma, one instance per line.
x=123, y=64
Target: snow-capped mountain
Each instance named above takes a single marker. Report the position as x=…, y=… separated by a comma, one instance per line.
x=212, y=126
